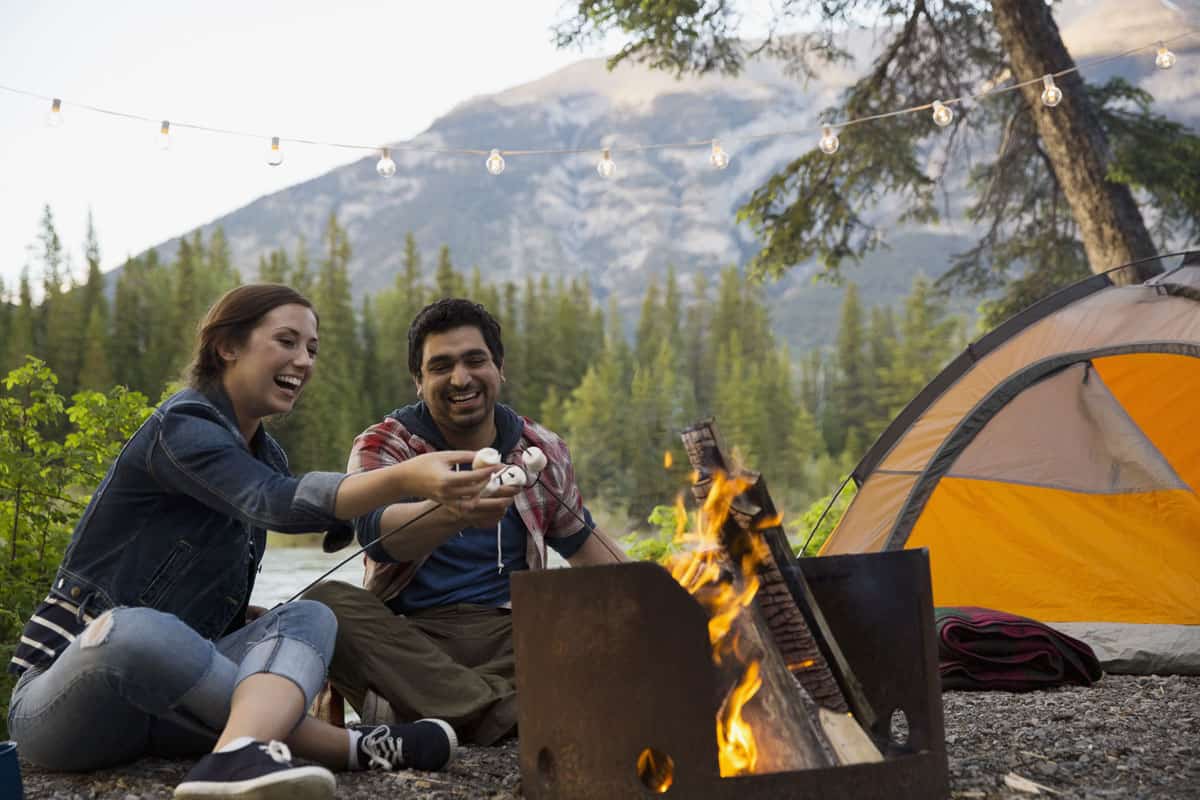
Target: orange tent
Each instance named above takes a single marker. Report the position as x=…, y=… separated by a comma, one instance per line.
x=1052, y=471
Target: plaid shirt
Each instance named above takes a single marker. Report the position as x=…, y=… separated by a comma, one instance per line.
x=390, y=442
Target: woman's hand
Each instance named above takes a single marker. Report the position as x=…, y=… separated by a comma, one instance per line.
x=434, y=475
x=254, y=612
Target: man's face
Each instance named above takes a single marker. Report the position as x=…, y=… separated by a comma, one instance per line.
x=459, y=381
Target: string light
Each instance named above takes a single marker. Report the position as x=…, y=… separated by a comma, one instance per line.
x=606, y=167
x=1165, y=58
x=164, y=136
x=829, y=142
x=718, y=158
x=54, y=117
x=495, y=162
x=1051, y=94
x=386, y=167
x=942, y=115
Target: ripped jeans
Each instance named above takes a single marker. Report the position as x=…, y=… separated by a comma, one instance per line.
x=140, y=682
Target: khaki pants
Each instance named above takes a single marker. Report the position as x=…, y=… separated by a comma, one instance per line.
x=455, y=663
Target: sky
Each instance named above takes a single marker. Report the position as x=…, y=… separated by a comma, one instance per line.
x=352, y=71
x=356, y=72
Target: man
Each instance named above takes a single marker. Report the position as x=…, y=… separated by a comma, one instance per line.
x=431, y=634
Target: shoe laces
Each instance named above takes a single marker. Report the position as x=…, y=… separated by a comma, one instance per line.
x=278, y=751
x=383, y=748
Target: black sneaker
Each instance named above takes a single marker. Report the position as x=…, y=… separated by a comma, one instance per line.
x=256, y=771
x=426, y=744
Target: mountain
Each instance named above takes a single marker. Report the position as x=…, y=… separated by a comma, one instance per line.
x=553, y=214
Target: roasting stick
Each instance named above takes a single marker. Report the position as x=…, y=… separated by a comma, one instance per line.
x=534, y=460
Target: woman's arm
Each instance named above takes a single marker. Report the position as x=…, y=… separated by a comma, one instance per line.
x=430, y=475
x=196, y=455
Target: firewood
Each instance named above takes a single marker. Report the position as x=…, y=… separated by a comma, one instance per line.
x=797, y=626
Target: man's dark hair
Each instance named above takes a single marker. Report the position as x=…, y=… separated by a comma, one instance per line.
x=446, y=314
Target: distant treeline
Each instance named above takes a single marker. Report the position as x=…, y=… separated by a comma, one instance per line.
x=697, y=350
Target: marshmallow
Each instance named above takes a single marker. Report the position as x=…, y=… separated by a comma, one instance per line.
x=486, y=457
x=535, y=460
x=512, y=475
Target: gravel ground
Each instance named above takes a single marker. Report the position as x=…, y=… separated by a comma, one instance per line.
x=1126, y=737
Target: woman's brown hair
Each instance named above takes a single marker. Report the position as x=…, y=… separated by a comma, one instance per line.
x=230, y=321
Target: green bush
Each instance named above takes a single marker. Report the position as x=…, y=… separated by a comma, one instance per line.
x=803, y=530
x=52, y=456
x=659, y=545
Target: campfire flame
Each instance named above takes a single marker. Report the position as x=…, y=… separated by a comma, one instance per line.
x=703, y=571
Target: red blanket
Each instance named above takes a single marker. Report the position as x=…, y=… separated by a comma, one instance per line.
x=980, y=648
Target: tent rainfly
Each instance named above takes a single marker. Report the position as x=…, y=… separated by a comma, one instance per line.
x=1053, y=471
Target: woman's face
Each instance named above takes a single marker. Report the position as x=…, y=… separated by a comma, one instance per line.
x=265, y=374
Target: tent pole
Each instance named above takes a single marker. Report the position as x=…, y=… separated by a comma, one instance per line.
x=821, y=519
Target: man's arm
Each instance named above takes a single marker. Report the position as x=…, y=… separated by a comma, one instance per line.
x=420, y=538
x=597, y=549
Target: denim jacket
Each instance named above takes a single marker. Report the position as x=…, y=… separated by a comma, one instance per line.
x=179, y=522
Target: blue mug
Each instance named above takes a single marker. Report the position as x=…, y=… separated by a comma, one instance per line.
x=10, y=772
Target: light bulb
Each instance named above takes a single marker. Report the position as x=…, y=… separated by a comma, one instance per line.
x=1165, y=58
x=275, y=155
x=606, y=167
x=1051, y=94
x=829, y=142
x=164, y=136
x=495, y=162
x=719, y=158
x=942, y=114
x=385, y=166
x=54, y=116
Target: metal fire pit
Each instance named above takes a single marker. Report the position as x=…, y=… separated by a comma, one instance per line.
x=614, y=660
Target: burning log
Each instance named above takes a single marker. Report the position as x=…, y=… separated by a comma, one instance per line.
x=797, y=627
x=766, y=723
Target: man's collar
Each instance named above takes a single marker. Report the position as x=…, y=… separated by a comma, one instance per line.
x=418, y=419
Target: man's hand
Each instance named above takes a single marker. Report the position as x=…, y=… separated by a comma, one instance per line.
x=254, y=612
x=485, y=512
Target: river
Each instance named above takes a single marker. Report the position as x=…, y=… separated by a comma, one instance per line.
x=287, y=570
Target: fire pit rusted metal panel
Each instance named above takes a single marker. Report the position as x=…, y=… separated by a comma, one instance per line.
x=612, y=660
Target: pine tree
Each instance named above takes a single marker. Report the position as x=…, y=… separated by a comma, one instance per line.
x=6, y=313
x=274, y=267
x=165, y=357
x=596, y=421
x=697, y=352
x=375, y=402
x=660, y=405
x=24, y=323
x=880, y=357
x=514, y=344
x=96, y=373
x=650, y=330
x=446, y=281
x=330, y=413
x=849, y=391
x=93, y=309
x=56, y=333
x=125, y=345
x=929, y=337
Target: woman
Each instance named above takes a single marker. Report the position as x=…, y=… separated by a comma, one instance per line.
x=146, y=643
